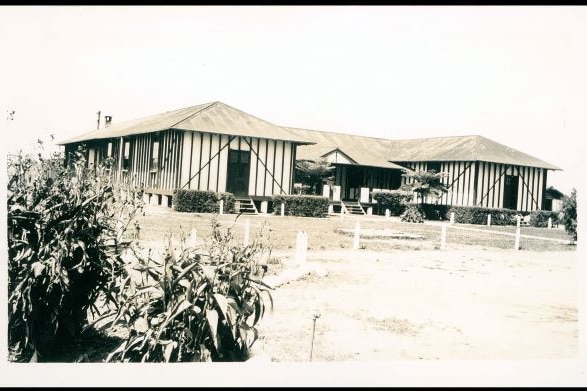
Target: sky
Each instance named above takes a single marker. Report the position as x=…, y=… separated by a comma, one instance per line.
x=513, y=74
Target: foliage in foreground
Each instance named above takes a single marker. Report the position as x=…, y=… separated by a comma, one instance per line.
x=61, y=224
x=192, y=306
x=569, y=214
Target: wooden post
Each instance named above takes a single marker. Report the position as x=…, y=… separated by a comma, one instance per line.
x=282, y=209
x=221, y=207
x=301, y=247
x=247, y=230
x=387, y=213
x=357, y=236
x=193, y=238
x=452, y=217
x=443, y=237
x=549, y=222
x=517, y=243
x=518, y=220
x=488, y=219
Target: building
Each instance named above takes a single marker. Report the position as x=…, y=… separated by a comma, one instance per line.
x=554, y=199
x=211, y=146
x=219, y=148
x=481, y=172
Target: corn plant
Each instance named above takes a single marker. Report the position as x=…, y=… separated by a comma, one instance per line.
x=61, y=223
x=190, y=305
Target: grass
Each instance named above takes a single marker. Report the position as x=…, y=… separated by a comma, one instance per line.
x=322, y=233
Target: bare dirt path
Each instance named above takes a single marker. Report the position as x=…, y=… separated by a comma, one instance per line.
x=411, y=305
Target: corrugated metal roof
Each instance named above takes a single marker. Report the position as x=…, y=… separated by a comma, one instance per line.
x=215, y=117
x=461, y=148
x=366, y=151
x=371, y=151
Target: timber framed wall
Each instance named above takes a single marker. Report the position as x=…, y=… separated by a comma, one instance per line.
x=483, y=183
x=196, y=160
x=205, y=158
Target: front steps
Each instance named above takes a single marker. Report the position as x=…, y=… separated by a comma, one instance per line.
x=245, y=205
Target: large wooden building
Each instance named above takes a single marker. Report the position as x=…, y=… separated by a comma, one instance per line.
x=481, y=172
x=219, y=148
x=206, y=147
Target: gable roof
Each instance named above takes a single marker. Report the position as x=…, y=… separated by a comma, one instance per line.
x=365, y=151
x=461, y=148
x=214, y=117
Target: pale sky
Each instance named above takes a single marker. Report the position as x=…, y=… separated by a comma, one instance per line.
x=513, y=74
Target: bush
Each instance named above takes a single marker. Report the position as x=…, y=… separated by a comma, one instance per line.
x=539, y=218
x=61, y=223
x=394, y=200
x=435, y=211
x=199, y=201
x=478, y=215
x=193, y=307
x=413, y=214
x=569, y=214
x=302, y=205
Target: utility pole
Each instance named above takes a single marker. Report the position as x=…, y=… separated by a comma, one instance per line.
x=99, y=113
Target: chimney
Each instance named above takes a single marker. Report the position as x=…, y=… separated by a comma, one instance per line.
x=99, y=113
x=108, y=120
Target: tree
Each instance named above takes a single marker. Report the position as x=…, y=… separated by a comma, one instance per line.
x=569, y=214
x=314, y=174
x=425, y=183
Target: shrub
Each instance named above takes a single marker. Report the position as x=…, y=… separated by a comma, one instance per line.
x=394, y=200
x=478, y=215
x=61, y=225
x=569, y=214
x=199, y=201
x=539, y=218
x=193, y=307
x=413, y=214
x=435, y=211
x=303, y=205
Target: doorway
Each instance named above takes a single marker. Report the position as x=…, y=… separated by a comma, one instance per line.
x=510, y=192
x=237, y=175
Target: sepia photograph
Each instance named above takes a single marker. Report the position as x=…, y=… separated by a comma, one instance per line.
x=293, y=196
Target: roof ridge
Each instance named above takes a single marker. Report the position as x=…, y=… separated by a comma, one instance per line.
x=194, y=114
x=340, y=133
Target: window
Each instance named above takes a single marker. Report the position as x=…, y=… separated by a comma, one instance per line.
x=155, y=155
x=433, y=166
x=126, y=156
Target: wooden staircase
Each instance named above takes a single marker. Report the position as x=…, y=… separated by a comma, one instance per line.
x=353, y=208
x=245, y=205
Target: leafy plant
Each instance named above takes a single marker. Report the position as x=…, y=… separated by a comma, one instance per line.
x=63, y=223
x=394, y=200
x=302, y=205
x=313, y=174
x=413, y=214
x=426, y=183
x=202, y=201
x=193, y=306
x=569, y=214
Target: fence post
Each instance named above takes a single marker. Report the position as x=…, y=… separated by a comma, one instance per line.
x=357, y=236
x=452, y=217
x=192, y=240
x=518, y=219
x=443, y=237
x=221, y=207
x=488, y=219
x=549, y=222
x=517, y=243
x=387, y=213
x=282, y=209
x=247, y=229
x=301, y=247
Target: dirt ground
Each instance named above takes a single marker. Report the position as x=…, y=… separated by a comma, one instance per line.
x=460, y=304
